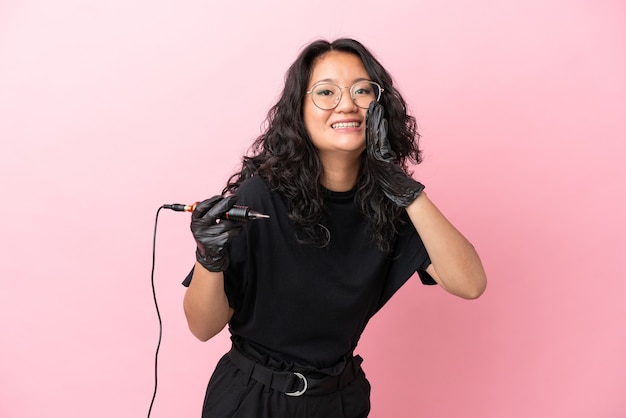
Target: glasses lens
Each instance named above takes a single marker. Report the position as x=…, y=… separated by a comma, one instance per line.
x=364, y=93
x=326, y=96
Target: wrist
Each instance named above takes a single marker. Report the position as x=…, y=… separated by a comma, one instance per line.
x=216, y=263
x=419, y=203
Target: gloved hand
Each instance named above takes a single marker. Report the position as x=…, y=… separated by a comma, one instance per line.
x=212, y=236
x=397, y=185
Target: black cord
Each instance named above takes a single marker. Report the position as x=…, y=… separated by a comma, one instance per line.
x=156, y=305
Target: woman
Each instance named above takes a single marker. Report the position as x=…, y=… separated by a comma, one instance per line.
x=347, y=228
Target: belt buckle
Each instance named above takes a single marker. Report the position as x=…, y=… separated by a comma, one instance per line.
x=299, y=392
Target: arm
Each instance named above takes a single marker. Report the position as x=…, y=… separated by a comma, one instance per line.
x=455, y=266
x=205, y=303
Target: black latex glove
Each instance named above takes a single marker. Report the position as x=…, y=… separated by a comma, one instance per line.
x=397, y=185
x=213, y=234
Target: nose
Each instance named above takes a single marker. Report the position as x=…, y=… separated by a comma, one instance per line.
x=346, y=104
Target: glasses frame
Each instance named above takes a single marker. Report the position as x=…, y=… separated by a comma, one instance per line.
x=341, y=89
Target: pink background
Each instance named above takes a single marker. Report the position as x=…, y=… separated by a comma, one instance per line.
x=109, y=109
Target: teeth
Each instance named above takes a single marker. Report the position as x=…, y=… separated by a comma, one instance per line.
x=346, y=125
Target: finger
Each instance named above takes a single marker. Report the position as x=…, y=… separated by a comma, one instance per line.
x=372, y=127
x=385, y=152
x=223, y=206
x=374, y=111
x=202, y=208
x=221, y=240
x=223, y=227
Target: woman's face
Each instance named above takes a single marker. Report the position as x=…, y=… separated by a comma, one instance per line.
x=339, y=131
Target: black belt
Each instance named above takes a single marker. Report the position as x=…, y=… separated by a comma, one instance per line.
x=294, y=383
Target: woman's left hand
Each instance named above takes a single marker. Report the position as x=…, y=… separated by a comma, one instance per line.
x=397, y=185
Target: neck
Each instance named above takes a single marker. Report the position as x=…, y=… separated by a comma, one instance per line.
x=340, y=175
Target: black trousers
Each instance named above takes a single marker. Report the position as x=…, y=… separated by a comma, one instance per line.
x=231, y=393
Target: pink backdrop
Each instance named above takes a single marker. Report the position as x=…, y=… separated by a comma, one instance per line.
x=109, y=109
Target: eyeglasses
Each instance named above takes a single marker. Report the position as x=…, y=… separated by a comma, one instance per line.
x=327, y=96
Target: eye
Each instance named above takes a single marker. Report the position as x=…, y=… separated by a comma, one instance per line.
x=363, y=89
x=324, y=92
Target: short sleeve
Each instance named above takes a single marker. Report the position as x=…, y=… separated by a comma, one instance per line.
x=409, y=256
x=187, y=280
x=425, y=277
x=232, y=291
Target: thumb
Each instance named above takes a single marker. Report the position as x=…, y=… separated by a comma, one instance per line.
x=385, y=153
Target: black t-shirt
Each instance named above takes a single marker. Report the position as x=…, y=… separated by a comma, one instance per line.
x=304, y=304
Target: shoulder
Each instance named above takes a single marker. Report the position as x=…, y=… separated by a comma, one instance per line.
x=254, y=184
x=254, y=191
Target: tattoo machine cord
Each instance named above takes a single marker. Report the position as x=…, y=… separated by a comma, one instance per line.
x=236, y=213
x=156, y=305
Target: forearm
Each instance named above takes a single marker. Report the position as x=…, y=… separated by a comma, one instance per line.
x=205, y=304
x=457, y=267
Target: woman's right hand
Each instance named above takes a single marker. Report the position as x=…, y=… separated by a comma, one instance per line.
x=212, y=233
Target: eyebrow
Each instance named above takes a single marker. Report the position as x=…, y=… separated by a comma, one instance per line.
x=331, y=80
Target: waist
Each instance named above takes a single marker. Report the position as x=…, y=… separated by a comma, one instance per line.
x=294, y=382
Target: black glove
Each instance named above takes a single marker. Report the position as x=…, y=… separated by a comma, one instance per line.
x=397, y=185
x=212, y=233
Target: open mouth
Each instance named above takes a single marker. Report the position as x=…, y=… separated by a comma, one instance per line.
x=340, y=125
